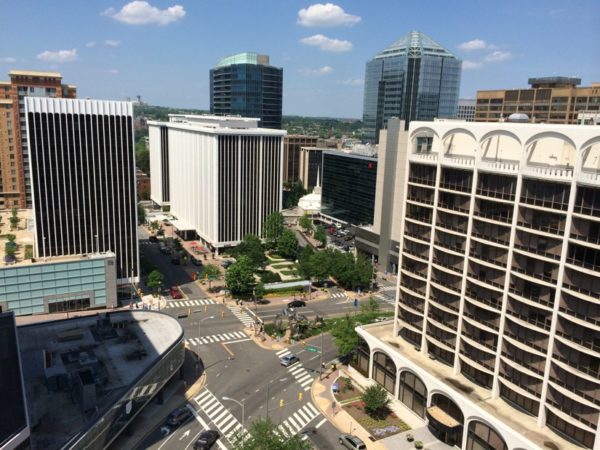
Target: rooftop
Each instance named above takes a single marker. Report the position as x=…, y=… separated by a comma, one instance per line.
x=212, y=124
x=82, y=366
x=554, y=81
x=523, y=423
x=415, y=43
x=32, y=73
x=244, y=58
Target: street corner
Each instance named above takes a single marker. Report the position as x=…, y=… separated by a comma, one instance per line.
x=193, y=390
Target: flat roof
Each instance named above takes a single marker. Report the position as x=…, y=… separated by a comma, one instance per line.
x=215, y=129
x=524, y=424
x=107, y=352
x=33, y=73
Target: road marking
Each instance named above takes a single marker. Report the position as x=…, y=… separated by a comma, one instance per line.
x=239, y=340
x=204, y=425
x=283, y=352
x=293, y=424
x=228, y=351
x=182, y=303
x=317, y=426
x=218, y=414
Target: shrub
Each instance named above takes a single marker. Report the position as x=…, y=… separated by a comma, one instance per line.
x=419, y=444
x=376, y=400
x=269, y=277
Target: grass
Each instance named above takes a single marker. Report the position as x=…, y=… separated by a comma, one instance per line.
x=289, y=273
x=275, y=257
x=282, y=265
x=376, y=427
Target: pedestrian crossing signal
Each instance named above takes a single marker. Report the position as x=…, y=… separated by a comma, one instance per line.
x=281, y=403
x=300, y=396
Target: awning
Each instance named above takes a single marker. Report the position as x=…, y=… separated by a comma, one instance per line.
x=442, y=420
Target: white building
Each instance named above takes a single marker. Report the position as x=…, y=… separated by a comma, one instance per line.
x=496, y=336
x=221, y=175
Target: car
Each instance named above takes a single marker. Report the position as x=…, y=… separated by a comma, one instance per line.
x=178, y=417
x=153, y=239
x=296, y=304
x=196, y=261
x=352, y=442
x=165, y=250
x=225, y=264
x=288, y=360
x=175, y=260
x=175, y=293
x=206, y=440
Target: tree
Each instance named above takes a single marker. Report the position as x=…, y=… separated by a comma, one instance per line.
x=294, y=191
x=141, y=214
x=14, y=218
x=305, y=223
x=142, y=156
x=259, y=290
x=320, y=235
x=304, y=261
x=155, y=280
x=344, y=335
x=273, y=228
x=287, y=244
x=369, y=310
x=240, y=276
x=210, y=272
x=320, y=264
x=376, y=400
x=263, y=434
x=363, y=273
x=253, y=249
x=154, y=226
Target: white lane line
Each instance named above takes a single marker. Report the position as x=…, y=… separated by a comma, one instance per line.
x=204, y=425
x=321, y=423
x=239, y=340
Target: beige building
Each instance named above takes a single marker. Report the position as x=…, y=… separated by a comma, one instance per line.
x=291, y=155
x=311, y=166
x=15, y=180
x=556, y=100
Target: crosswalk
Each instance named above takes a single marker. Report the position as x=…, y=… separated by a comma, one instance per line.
x=297, y=421
x=223, y=337
x=184, y=303
x=219, y=415
x=243, y=316
x=301, y=375
x=338, y=295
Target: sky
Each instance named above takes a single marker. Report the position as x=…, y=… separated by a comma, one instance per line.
x=163, y=49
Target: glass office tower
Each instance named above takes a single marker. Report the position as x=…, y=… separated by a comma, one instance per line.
x=246, y=85
x=415, y=78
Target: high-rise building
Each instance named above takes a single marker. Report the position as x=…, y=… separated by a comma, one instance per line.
x=246, y=85
x=548, y=100
x=496, y=336
x=15, y=179
x=224, y=175
x=83, y=179
x=415, y=78
x=348, y=192
x=291, y=155
x=311, y=166
x=466, y=109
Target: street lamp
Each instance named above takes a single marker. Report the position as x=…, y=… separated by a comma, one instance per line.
x=243, y=414
x=200, y=321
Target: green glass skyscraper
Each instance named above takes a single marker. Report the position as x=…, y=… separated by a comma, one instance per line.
x=246, y=85
x=415, y=78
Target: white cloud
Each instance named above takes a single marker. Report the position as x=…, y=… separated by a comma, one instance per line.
x=498, y=56
x=8, y=59
x=60, y=56
x=327, y=44
x=475, y=44
x=112, y=42
x=316, y=72
x=353, y=82
x=142, y=13
x=113, y=71
x=325, y=15
x=90, y=44
x=470, y=65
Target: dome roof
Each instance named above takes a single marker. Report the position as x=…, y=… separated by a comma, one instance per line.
x=518, y=117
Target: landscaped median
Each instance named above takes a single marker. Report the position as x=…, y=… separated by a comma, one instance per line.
x=379, y=421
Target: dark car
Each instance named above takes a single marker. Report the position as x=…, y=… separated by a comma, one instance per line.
x=225, y=264
x=196, y=261
x=153, y=239
x=165, y=250
x=178, y=417
x=296, y=304
x=175, y=260
x=206, y=440
x=288, y=360
x=352, y=442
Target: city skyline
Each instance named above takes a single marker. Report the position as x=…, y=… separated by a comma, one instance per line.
x=117, y=49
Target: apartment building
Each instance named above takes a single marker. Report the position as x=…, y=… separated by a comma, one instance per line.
x=466, y=109
x=224, y=175
x=556, y=100
x=496, y=339
x=15, y=179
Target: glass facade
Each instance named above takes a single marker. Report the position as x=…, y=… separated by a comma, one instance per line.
x=248, y=90
x=56, y=287
x=413, y=79
x=348, y=192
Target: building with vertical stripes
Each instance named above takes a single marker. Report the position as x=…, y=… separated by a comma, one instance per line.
x=83, y=178
x=223, y=175
x=496, y=338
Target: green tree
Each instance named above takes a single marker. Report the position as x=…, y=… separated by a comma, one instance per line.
x=154, y=226
x=160, y=232
x=304, y=261
x=240, y=276
x=363, y=273
x=305, y=223
x=273, y=228
x=287, y=244
x=259, y=291
x=209, y=272
x=14, y=218
x=320, y=235
x=342, y=269
x=264, y=435
x=376, y=400
x=294, y=191
x=369, y=310
x=253, y=249
x=141, y=214
x=344, y=335
x=155, y=280
x=177, y=245
x=320, y=265
x=142, y=156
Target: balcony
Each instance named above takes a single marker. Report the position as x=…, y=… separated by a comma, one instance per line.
x=480, y=337
x=451, y=222
x=588, y=285
x=450, y=241
x=535, y=293
x=529, y=361
x=590, y=177
x=534, y=268
x=443, y=318
x=578, y=360
x=584, y=388
x=491, y=232
x=541, y=220
x=420, y=174
x=487, y=275
x=426, y=158
x=530, y=384
x=540, y=318
x=524, y=334
x=586, y=311
x=538, y=245
x=506, y=167
x=481, y=315
x=491, y=299
x=454, y=202
x=483, y=358
x=447, y=280
x=416, y=304
x=549, y=172
x=420, y=194
x=545, y=194
x=418, y=231
x=585, y=230
x=456, y=180
x=445, y=299
x=458, y=162
x=578, y=334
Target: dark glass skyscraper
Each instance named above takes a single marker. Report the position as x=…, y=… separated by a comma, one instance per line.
x=415, y=78
x=246, y=85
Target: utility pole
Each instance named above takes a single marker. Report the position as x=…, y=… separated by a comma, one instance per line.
x=321, y=359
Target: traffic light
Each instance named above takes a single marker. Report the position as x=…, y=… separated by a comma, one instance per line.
x=299, y=396
x=281, y=403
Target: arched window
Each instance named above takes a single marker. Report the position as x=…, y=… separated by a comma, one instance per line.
x=482, y=437
x=446, y=420
x=360, y=360
x=413, y=393
x=384, y=371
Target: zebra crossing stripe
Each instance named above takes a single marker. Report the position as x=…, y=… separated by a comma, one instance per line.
x=280, y=352
x=304, y=416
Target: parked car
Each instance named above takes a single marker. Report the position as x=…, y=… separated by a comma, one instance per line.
x=352, y=442
x=153, y=239
x=178, y=417
x=196, y=261
x=165, y=250
x=296, y=304
x=175, y=293
x=225, y=264
x=288, y=360
x=206, y=440
x=175, y=260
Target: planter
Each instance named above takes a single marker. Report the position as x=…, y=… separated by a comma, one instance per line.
x=410, y=437
x=419, y=444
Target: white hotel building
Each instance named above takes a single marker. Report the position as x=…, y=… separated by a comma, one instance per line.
x=221, y=175
x=496, y=336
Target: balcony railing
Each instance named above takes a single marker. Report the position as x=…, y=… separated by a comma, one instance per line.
x=573, y=388
x=584, y=317
x=592, y=239
x=547, y=227
x=520, y=362
x=537, y=251
x=524, y=340
x=543, y=324
x=494, y=303
x=554, y=173
x=536, y=298
x=486, y=322
x=532, y=273
x=592, y=345
x=477, y=359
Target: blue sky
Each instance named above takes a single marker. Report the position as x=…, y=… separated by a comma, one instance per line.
x=163, y=50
